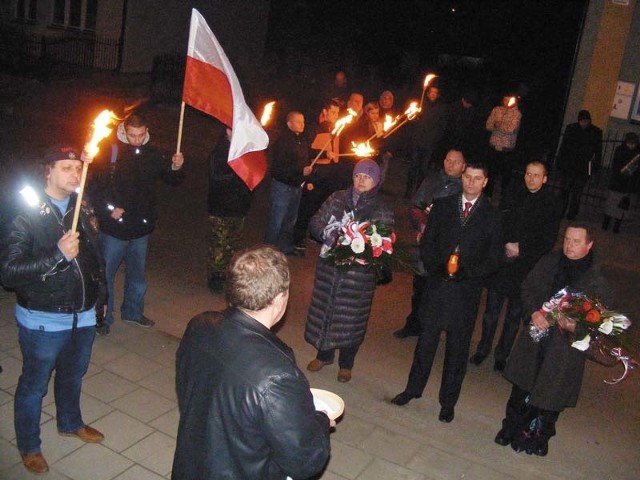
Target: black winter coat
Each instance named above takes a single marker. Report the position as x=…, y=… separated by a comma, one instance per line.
x=246, y=411
x=341, y=301
x=228, y=195
x=289, y=155
x=479, y=239
x=579, y=147
x=454, y=304
x=532, y=220
x=34, y=266
x=130, y=184
x=552, y=369
x=620, y=182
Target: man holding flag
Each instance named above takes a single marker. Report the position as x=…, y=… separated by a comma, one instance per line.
x=123, y=189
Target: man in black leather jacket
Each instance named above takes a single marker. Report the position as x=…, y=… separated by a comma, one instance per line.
x=58, y=277
x=246, y=410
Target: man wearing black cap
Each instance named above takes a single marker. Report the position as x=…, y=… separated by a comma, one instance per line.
x=58, y=277
x=579, y=158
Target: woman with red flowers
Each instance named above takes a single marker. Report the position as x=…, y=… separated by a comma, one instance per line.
x=341, y=300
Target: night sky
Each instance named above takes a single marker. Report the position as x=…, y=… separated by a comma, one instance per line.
x=526, y=46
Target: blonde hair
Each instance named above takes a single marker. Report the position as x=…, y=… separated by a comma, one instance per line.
x=255, y=277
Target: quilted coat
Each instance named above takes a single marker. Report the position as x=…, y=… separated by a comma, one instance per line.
x=341, y=301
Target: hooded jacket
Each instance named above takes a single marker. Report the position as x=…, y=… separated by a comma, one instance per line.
x=125, y=176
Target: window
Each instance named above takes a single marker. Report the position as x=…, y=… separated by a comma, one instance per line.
x=78, y=14
x=26, y=9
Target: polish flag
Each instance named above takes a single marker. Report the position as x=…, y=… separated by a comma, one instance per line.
x=211, y=85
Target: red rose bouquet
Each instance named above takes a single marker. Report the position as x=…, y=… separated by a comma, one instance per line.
x=598, y=321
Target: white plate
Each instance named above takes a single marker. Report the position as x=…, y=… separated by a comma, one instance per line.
x=328, y=402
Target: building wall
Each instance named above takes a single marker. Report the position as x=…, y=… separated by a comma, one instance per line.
x=630, y=72
x=608, y=52
x=240, y=27
x=109, y=18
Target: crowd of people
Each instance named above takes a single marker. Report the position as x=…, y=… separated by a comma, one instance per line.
x=248, y=412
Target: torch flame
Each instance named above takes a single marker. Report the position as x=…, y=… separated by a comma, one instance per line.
x=101, y=130
x=389, y=122
x=412, y=111
x=342, y=122
x=428, y=79
x=266, y=114
x=362, y=149
x=512, y=102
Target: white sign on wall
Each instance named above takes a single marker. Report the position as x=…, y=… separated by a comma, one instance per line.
x=622, y=100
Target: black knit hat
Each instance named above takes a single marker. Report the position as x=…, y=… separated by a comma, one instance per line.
x=584, y=115
x=631, y=137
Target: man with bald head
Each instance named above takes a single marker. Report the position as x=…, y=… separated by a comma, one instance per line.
x=447, y=182
x=289, y=167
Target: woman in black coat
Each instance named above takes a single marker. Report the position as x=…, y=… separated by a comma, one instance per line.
x=341, y=300
x=622, y=181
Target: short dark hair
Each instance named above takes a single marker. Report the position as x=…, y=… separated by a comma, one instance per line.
x=135, y=120
x=255, y=277
x=538, y=162
x=584, y=226
x=478, y=165
x=293, y=113
x=330, y=103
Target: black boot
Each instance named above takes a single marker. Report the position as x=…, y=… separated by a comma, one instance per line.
x=517, y=417
x=606, y=222
x=540, y=444
x=616, y=226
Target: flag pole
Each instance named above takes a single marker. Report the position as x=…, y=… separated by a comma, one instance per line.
x=180, y=124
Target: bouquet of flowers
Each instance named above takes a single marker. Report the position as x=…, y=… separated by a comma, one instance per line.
x=352, y=242
x=598, y=321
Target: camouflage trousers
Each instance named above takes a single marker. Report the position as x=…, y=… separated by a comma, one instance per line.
x=225, y=236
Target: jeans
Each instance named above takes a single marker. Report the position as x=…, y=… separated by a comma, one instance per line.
x=42, y=352
x=134, y=254
x=285, y=200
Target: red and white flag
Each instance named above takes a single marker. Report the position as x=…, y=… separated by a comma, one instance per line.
x=211, y=85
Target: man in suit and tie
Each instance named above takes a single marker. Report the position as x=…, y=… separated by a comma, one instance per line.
x=467, y=228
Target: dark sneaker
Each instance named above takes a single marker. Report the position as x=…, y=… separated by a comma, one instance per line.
x=143, y=322
x=103, y=330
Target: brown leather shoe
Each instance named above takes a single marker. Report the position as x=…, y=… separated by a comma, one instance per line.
x=316, y=365
x=35, y=463
x=344, y=375
x=86, y=434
